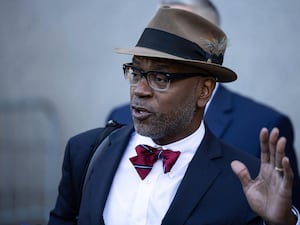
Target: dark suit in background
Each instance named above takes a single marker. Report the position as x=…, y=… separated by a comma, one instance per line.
x=230, y=114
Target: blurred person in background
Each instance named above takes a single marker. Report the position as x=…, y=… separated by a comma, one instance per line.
x=229, y=113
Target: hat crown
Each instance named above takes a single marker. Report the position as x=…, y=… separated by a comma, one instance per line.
x=192, y=28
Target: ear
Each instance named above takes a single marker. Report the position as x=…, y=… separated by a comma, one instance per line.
x=205, y=89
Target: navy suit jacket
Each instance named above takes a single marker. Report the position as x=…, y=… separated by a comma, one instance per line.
x=237, y=120
x=210, y=193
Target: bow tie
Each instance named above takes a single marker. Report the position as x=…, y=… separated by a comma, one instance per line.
x=147, y=156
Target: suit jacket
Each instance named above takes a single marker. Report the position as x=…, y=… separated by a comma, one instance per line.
x=210, y=193
x=237, y=120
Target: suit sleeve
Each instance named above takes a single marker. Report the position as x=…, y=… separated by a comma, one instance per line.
x=76, y=157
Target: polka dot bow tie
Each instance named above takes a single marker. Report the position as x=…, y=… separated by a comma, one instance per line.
x=147, y=156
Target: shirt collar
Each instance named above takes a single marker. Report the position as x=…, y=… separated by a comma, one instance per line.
x=189, y=143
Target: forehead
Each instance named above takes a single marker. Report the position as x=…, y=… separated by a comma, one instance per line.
x=160, y=63
x=143, y=59
x=167, y=65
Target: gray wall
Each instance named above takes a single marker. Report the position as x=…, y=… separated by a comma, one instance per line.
x=61, y=51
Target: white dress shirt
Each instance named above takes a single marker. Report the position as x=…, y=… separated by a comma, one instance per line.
x=145, y=202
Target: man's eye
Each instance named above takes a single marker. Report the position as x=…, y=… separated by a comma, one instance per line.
x=133, y=72
x=160, y=78
x=135, y=75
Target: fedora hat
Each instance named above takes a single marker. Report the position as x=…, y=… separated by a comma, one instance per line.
x=186, y=37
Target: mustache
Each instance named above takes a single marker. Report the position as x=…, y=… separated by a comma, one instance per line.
x=137, y=102
x=140, y=103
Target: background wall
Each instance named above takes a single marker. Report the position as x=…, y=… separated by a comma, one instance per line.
x=60, y=52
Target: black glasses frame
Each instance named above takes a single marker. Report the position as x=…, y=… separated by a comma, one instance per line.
x=170, y=76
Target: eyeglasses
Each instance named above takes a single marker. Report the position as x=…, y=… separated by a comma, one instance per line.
x=157, y=80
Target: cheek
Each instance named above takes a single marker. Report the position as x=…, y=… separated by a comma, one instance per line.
x=175, y=100
x=131, y=92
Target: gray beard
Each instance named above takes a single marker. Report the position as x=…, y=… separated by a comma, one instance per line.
x=168, y=125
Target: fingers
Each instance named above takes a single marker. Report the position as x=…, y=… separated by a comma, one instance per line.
x=288, y=172
x=242, y=172
x=277, y=150
x=273, y=150
x=273, y=139
x=273, y=153
x=272, y=147
x=264, y=145
x=279, y=155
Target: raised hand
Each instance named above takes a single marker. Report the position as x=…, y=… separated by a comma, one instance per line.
x=270, y=193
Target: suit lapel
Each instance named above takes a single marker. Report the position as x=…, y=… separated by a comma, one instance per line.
x=101, y=176
x=199, y=177
x=217, y=116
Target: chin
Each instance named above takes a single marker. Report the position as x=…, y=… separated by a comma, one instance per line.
x=143, y=129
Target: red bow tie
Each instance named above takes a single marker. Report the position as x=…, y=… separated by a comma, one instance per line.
x=147, y=156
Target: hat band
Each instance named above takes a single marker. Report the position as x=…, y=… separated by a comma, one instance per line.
x=175, y=45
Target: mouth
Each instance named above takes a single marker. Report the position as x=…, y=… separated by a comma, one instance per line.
x=140, y=113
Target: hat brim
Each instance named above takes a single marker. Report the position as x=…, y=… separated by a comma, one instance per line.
x=223, y=74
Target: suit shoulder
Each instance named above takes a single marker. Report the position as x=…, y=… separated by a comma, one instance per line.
x=255, y=105
x=231, y=153
x=79, y=148
x=87, y=135
x=223, y=154
x=125, y=108
x=238, y=154
x=121, y=114
x=228, y=151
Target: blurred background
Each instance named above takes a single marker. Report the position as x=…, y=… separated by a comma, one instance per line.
x=59, y=76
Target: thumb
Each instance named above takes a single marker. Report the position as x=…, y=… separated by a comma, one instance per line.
x=242, y=172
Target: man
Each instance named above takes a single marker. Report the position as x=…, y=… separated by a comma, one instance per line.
x=131, y=182
x=235, y=119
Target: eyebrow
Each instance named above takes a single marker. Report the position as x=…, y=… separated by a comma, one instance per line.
x=159, y=65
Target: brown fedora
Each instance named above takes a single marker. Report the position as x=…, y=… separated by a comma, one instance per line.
x=184, y=36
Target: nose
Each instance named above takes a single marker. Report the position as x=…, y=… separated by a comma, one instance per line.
x=142, y=88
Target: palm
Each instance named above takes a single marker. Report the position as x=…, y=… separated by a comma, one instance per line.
x=269, y=194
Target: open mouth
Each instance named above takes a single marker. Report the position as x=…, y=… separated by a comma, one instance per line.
x=140, y=113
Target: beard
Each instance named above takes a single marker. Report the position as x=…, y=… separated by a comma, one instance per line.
x=168, y=124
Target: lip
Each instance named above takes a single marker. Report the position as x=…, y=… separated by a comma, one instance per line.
x=140, y=113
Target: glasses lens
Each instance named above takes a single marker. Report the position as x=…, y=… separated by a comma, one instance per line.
x=158, y=81
x=131, y=74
